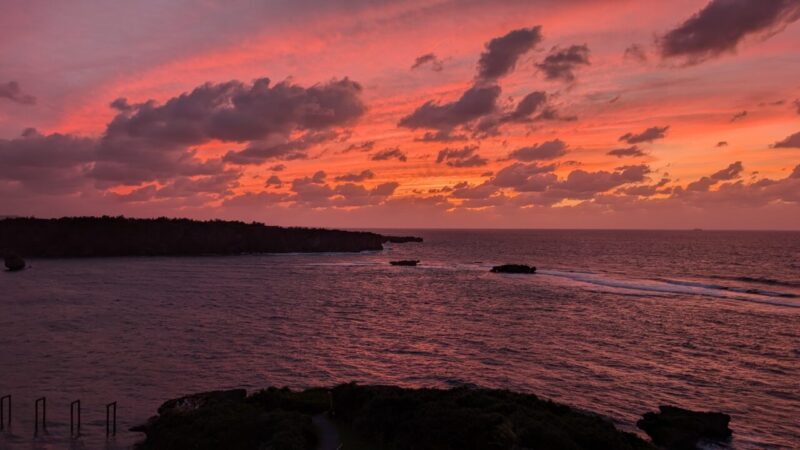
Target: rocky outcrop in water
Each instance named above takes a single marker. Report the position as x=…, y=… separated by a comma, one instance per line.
x=513, y=268
x=681, y=429
x=14, y=262
x=386, y=417
x=271, y=419
x=405, y=262
x=120, y=236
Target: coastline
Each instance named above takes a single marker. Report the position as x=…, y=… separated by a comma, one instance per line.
x=120, y=236
x=378, y=417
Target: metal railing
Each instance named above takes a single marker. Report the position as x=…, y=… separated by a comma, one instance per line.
x=40, y=417
x=5, y=421
x=73, y=408
x=43, y=401
x=109, y=407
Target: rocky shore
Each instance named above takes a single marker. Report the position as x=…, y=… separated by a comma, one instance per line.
x=120, y=236
x=386, y=417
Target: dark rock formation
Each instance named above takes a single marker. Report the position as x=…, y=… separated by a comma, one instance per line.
x=194, y=402
x=681, y=429
x=513, y=268
x=229, y=419
x=385, y=417
x=401, y=239
x=14, y=263
x=119, y=236
x=405, y=262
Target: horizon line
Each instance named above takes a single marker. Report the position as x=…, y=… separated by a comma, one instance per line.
x=421, y=228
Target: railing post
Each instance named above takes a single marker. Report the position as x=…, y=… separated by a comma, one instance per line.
x=111, y=420
x=3, y=420
x=72, y=411
x=43, y=401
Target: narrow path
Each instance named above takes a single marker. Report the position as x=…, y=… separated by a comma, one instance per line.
x=328, y=435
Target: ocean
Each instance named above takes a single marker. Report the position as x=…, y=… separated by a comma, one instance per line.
x=614, y=322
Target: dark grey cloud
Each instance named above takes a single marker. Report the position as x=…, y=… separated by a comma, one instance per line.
x=797, y=105
x=518, y=174
x=581, y=184
x=792, y=141
x=731, y=172
x=534, y=107
x=632, y=151
x=150, y=141
x=385, y=189
x=722, y=144
x=648, y=135
x=318, y=177
x=356, y=177
x=274, y=180
x=647, y=190
x=311, y=189
x=543, y=187
x=278, y=167
x=359, y=147
x=561, y=64
x=502, y=53
x=430, y=59
x=390, y=153
x=461, y=157
x=467, y=192
x=453, y=153
x=701, y=185
x=186, y=188
x=441, y=136
x=636, y=52
x=258, y=152
x=722, y=24
x=315, y=192
x=237, y=112
x=12, y=91
x=474, y=103
x=533, y=103
x=479, y=102
x=738, y=193
x=53, y=164
x=254, y=200
x=540, y=152
x=739, y=116
x=136, y=164
x=153, y=146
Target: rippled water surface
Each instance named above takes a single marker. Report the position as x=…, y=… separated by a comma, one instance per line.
x=615, y=322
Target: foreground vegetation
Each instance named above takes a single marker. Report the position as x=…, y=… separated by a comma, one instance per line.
x=120, y=236
x=380, y=418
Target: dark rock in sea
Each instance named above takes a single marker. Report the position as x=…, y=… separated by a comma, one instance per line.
x=405, y=262
x=272, y=419
x=194, y=402
x=681, y=429
x=513, y=268
x=401, y=239
x=14, y=263
x=386, y=417
x=120, y=236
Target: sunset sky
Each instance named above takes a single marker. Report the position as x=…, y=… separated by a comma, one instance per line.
x=410, y=113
